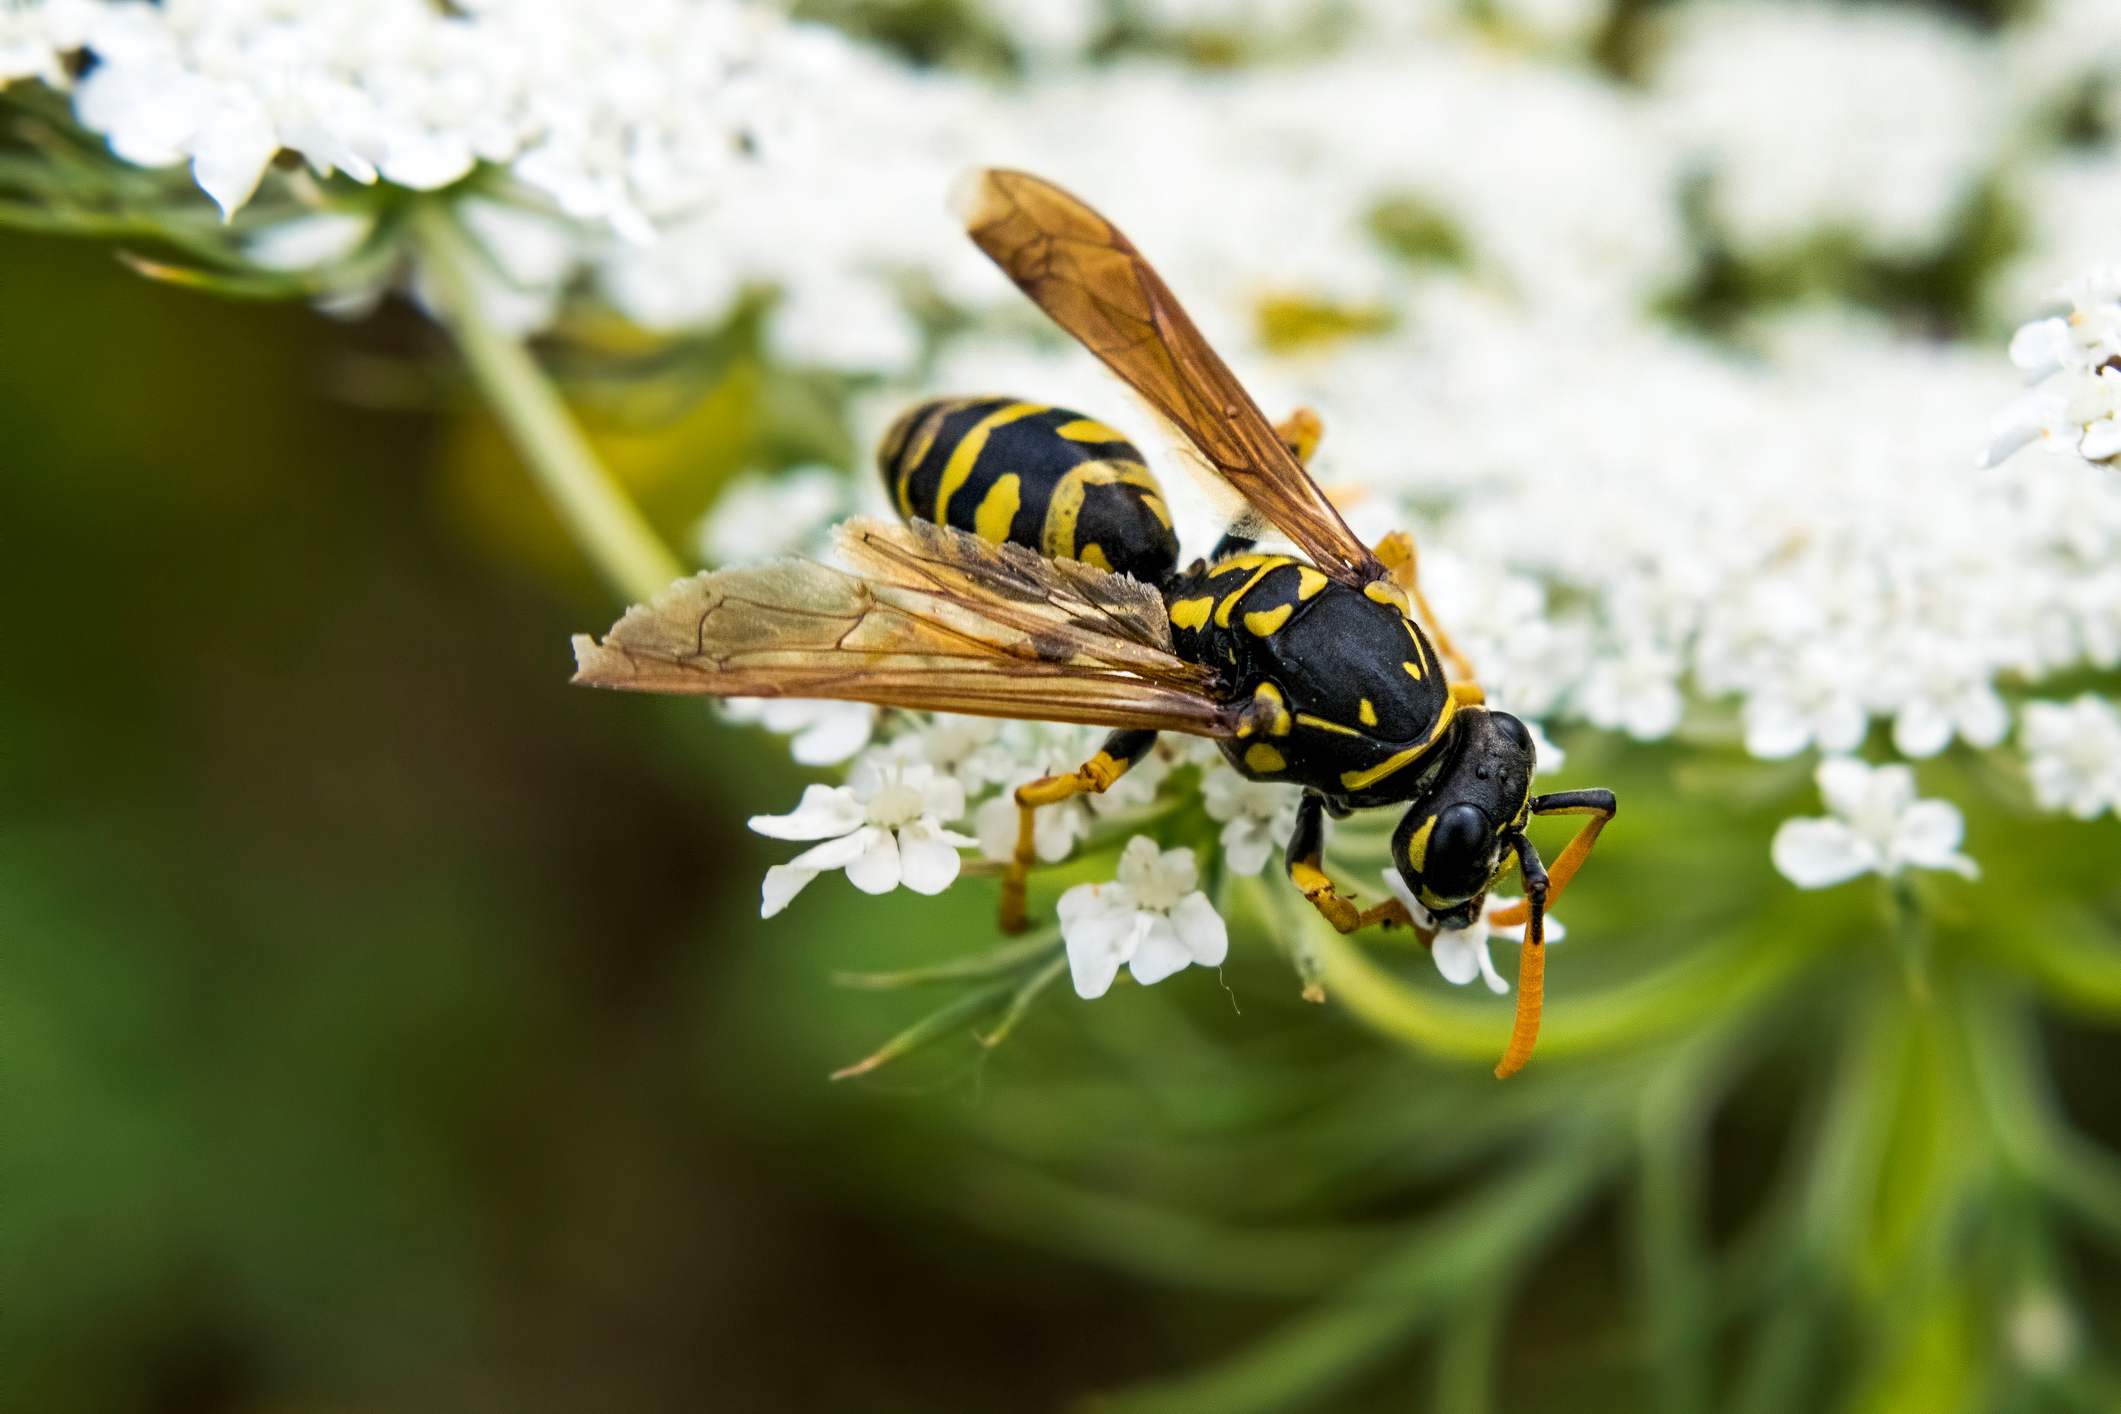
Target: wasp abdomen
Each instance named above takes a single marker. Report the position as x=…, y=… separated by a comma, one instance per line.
x=1032, y=474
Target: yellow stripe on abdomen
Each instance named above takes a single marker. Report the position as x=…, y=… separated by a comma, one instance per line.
x=997, y=509
x=1065, y=507
x=966, y=453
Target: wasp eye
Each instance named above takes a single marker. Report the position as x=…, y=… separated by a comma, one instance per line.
x=1512, y=731
x=1458, y=851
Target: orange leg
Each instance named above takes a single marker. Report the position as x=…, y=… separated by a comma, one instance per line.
x=1306, y=871
x=1396, y=552
x=1301, y=432
x=1094, y=777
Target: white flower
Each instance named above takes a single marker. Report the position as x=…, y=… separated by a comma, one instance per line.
x=1636, y=691
x=1877, y=827
x=1055, y=829
x=306, y=242
x=525, y=259
x=1930, y=717
x=967, y=749
x=885, y=828
x=822, y=731
x=1037, y=750
x=761, y=517
x=1257, y=816
x=1816, y=698
x=2073, y=751
x=33, y=36
x=2074, y=401
x=1153, y=919
x=1898, y=118
x=1461, y=954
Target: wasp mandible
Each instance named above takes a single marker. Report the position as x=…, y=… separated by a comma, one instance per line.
x=1037, y=577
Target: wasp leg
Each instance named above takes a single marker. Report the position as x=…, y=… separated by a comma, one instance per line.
x=1306, y=851
x=1601, y=807
x=1396, y=552
x=1531, y=963
x=1301, y=431
x=1114, y=759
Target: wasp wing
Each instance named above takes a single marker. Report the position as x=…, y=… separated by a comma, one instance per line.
x=931, y=619
x=1091, y=281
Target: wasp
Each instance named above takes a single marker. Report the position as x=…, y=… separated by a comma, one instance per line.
x=1036, y=576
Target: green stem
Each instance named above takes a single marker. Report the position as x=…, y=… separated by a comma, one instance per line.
x=1782, y=1362
x=1724, y=981
x=603, y=522
x=1469, y=1352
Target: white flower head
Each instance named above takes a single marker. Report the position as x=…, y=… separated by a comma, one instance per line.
x=762, y=517
x=1257, y=816
x=2073, y=752
x=885, y=828
x=1029, y=751
x=1153, y=920
x=1878, y=826
x=967, y=749
x=821, y=731
x=1461, y=954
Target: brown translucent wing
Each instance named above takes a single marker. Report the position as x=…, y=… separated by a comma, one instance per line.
x=1093, y=283
x=932, y=619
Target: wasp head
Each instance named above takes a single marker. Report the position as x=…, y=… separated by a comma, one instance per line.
x=1460, y=834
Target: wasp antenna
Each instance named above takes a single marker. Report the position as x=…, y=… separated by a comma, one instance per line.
x=1531, y=964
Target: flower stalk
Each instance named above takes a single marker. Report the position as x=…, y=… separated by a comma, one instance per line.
x=590, y=504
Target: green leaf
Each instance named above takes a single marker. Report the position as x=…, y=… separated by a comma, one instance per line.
x=1009, y=957
x=1021, y=1002
x=931, y=1028
x=190, y=277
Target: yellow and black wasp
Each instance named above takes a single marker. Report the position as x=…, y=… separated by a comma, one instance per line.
x=1037, y=577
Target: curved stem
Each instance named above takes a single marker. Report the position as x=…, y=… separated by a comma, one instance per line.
x=1725, y=980
x=596, y=512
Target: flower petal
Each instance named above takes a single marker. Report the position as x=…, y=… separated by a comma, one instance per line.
x=1815, y=854
x=1246, y=845
x=1139, y=863
x=1201, y=930
x=1461, y=954
x=824, y=811
x=230, y=157
x=1922, y=729
x=834, y=735
x=1844, y=784
x=2101, y=441
x=929, y=862
x=1157, y=951
x=1928, y=836
x=783, y=883
x=1098, y=935
x=876, y=871
x=835, y=854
